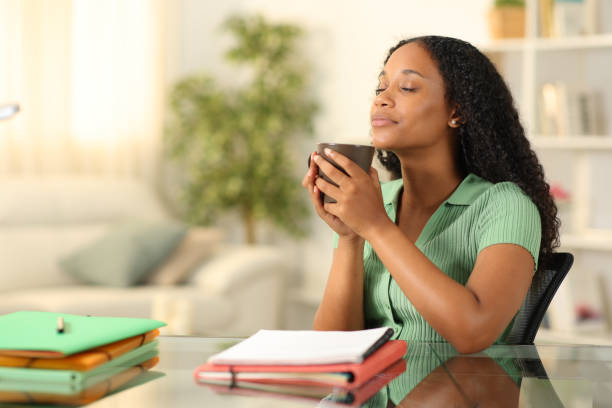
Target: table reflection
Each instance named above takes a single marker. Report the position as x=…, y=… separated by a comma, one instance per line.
x=28, y=392
x=437, y=376
x=431, y=375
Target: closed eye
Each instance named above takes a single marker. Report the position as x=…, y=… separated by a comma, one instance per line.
x=380, y=90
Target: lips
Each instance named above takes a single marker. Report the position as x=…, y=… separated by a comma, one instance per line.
x=382, y=120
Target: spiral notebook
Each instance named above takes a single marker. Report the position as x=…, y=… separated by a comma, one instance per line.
x=300, y=347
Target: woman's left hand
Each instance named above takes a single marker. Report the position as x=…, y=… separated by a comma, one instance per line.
x=359, y=202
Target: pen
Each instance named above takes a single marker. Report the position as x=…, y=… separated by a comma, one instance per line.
x=60, y=325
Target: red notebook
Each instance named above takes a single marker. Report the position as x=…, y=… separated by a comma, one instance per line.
x=349, y=375
x=332, y=395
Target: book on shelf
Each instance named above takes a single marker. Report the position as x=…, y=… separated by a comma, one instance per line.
x=567, y=18
x=591, y=17
x=546, y=17
x=569, y=109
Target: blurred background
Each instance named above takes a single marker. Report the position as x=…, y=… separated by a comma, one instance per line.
x=153, y=169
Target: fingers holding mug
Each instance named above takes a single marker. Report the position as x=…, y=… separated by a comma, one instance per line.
x=311, y=174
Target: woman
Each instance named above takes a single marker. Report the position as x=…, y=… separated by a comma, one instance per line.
x=447, y=251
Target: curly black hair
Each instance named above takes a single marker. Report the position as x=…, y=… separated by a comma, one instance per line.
x=492, y=140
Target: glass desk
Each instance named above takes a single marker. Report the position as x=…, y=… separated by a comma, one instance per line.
x=435, y=376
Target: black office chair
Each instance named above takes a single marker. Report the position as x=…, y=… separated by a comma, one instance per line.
x=543, y=287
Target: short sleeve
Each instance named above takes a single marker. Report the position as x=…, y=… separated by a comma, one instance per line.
x=510, y=217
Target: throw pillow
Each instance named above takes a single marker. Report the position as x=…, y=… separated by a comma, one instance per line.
x=198, y=244
x=125, y=255
x=236, y=265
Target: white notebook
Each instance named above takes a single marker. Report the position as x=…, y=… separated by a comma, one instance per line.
x=304, y=347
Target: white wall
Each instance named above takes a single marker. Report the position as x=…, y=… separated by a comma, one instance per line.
x=345, y=45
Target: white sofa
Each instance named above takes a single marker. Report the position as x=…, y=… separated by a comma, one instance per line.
x=234, y=292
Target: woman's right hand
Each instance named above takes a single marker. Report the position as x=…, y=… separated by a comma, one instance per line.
x=315, y=196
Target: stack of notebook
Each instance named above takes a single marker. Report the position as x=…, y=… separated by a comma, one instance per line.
x=58, y=358
x=344, y=367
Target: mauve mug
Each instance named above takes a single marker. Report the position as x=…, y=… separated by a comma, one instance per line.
x=362, y=155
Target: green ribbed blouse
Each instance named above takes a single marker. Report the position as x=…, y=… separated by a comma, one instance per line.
x=476, y=215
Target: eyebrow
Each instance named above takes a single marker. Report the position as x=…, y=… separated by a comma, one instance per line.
x=404, y=71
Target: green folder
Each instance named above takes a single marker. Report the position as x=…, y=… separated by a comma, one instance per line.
x=70, y=381
x=37, y=331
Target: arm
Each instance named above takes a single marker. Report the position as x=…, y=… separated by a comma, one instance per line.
x=469, y=317
x=342, y=305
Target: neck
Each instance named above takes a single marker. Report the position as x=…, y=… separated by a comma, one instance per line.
x=429, y=179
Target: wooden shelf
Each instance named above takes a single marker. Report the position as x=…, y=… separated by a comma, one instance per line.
x=570, y=43
x=547, y=44
x=572, y=142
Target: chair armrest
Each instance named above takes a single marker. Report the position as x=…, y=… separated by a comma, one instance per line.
x=238, y=266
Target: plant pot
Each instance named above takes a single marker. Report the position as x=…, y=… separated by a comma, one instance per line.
x=507, y=22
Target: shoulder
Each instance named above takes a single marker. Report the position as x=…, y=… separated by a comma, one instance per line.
x=508, y=196
x=508, y=204
x=507, y=215
x=505, y=207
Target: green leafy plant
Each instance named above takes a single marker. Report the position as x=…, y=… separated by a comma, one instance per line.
x=233, y=145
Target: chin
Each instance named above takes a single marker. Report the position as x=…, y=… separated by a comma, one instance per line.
x=384, y=142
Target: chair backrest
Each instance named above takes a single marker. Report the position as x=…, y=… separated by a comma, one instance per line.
x=543, y=287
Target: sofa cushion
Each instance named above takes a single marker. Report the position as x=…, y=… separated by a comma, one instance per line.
x=29, y=254
x=126, y=254
x=198, y=244
x=235, y=265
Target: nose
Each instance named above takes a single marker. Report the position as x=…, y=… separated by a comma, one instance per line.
x=383, y=100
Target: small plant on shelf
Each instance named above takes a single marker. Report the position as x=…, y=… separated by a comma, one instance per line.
x=507, y=19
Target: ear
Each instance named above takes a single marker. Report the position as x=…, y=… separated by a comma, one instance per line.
x=454, y=120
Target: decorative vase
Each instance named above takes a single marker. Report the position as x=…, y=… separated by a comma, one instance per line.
x=507, y=22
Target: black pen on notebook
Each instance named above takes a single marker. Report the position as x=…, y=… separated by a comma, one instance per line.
x=60, y=325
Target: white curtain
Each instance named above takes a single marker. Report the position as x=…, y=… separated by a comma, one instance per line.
x=89, y=77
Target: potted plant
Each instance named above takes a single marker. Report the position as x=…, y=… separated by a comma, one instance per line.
x=507, y=19
x=234, y=145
